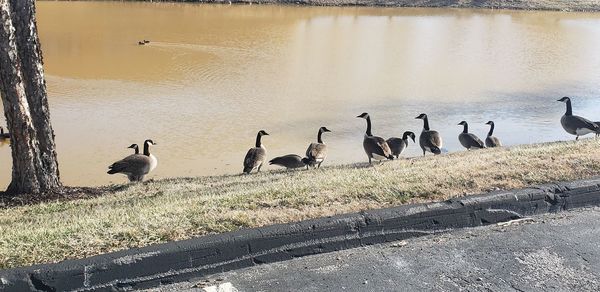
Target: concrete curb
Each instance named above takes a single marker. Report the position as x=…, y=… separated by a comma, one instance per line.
x=177, y=261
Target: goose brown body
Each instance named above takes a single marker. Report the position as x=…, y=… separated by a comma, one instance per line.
x=429, y=140
x=375, y=147
x=397, y=145
x=136, y=166
x=317, y=152
x=256, y=156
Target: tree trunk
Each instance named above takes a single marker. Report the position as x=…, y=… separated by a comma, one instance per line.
x=23, y=90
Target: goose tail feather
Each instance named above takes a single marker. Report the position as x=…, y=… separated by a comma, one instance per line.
x=436, y=150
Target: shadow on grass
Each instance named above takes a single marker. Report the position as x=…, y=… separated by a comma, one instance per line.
x=62, y=195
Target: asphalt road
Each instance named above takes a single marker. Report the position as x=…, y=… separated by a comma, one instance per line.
x=552, y=252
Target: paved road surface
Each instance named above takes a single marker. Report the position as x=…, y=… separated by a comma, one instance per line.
x=552, y=252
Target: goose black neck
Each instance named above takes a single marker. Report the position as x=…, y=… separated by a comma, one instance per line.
x=405, y=136
x=491, y=129
x=369, y=126
x=146, y=149
x=569, y=109
x=465, y=128
x=1, y=130
x=426, y=124
x=319, y=136
x=137, y=149
x=258, y=136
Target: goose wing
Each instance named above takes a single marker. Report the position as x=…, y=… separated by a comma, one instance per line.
x=492, y=141
x=376, y=145
x=470, y=140
x=431, y=140
x=316, y=151
x=577, y=122
x=132, y=164
x=254, y=157
x=289, y=161
x=396, y=145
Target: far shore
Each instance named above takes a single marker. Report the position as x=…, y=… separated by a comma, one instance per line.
x=550, y=5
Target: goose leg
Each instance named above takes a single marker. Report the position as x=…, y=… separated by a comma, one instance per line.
x=319, y=166
x=577, y=138
x=370, y=163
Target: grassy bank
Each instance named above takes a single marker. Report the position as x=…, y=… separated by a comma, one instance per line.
x=172, y=209
x=557, y=5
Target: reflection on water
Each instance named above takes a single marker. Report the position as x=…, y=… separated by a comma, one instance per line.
x=213, y=75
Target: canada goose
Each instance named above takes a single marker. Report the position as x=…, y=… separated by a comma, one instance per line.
x=317, y=152
x=491, y=141
x=135, y=147
x=429, y=140
x=375, y=147
x=469, y=140
x=290, y=161
x=4, y=135
x=136, y=166
x=576, y=125
x=256, y=156
x=397, y=145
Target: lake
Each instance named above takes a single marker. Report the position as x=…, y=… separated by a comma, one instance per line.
x=213, y=75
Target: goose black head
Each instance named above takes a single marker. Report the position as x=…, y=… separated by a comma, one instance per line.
x=133, y=146
x=462, y=123
x=149, y=142
x=410, y=134
x=489, y=123
x=263, y=133
x=363, y=115
x=305, y=160
x=421, y=116
x=564, y=99
x=324, y=129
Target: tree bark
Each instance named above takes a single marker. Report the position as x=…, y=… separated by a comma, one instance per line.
x=23, y=90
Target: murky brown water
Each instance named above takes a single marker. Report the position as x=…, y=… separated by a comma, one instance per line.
x=213, y=75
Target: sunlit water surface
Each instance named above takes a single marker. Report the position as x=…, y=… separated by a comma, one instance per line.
x=213, y=75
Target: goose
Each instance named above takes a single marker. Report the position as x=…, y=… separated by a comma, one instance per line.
x=397, y=145
x=429, y=140
x=146, y=41
x=290, y=161
x=136, y=166
x=256, y=156
x=141, y=43
x=4, y=135
x=317, y=152
x=375, y=147
x=469, y=140
x=135, y=147
x=576, y=125
x=491, y=141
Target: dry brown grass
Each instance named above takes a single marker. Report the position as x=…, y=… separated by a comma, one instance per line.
x=174, y=209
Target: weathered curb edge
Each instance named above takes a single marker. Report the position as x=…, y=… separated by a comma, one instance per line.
x=178, y=261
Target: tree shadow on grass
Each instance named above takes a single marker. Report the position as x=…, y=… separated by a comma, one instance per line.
x=65, y=194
